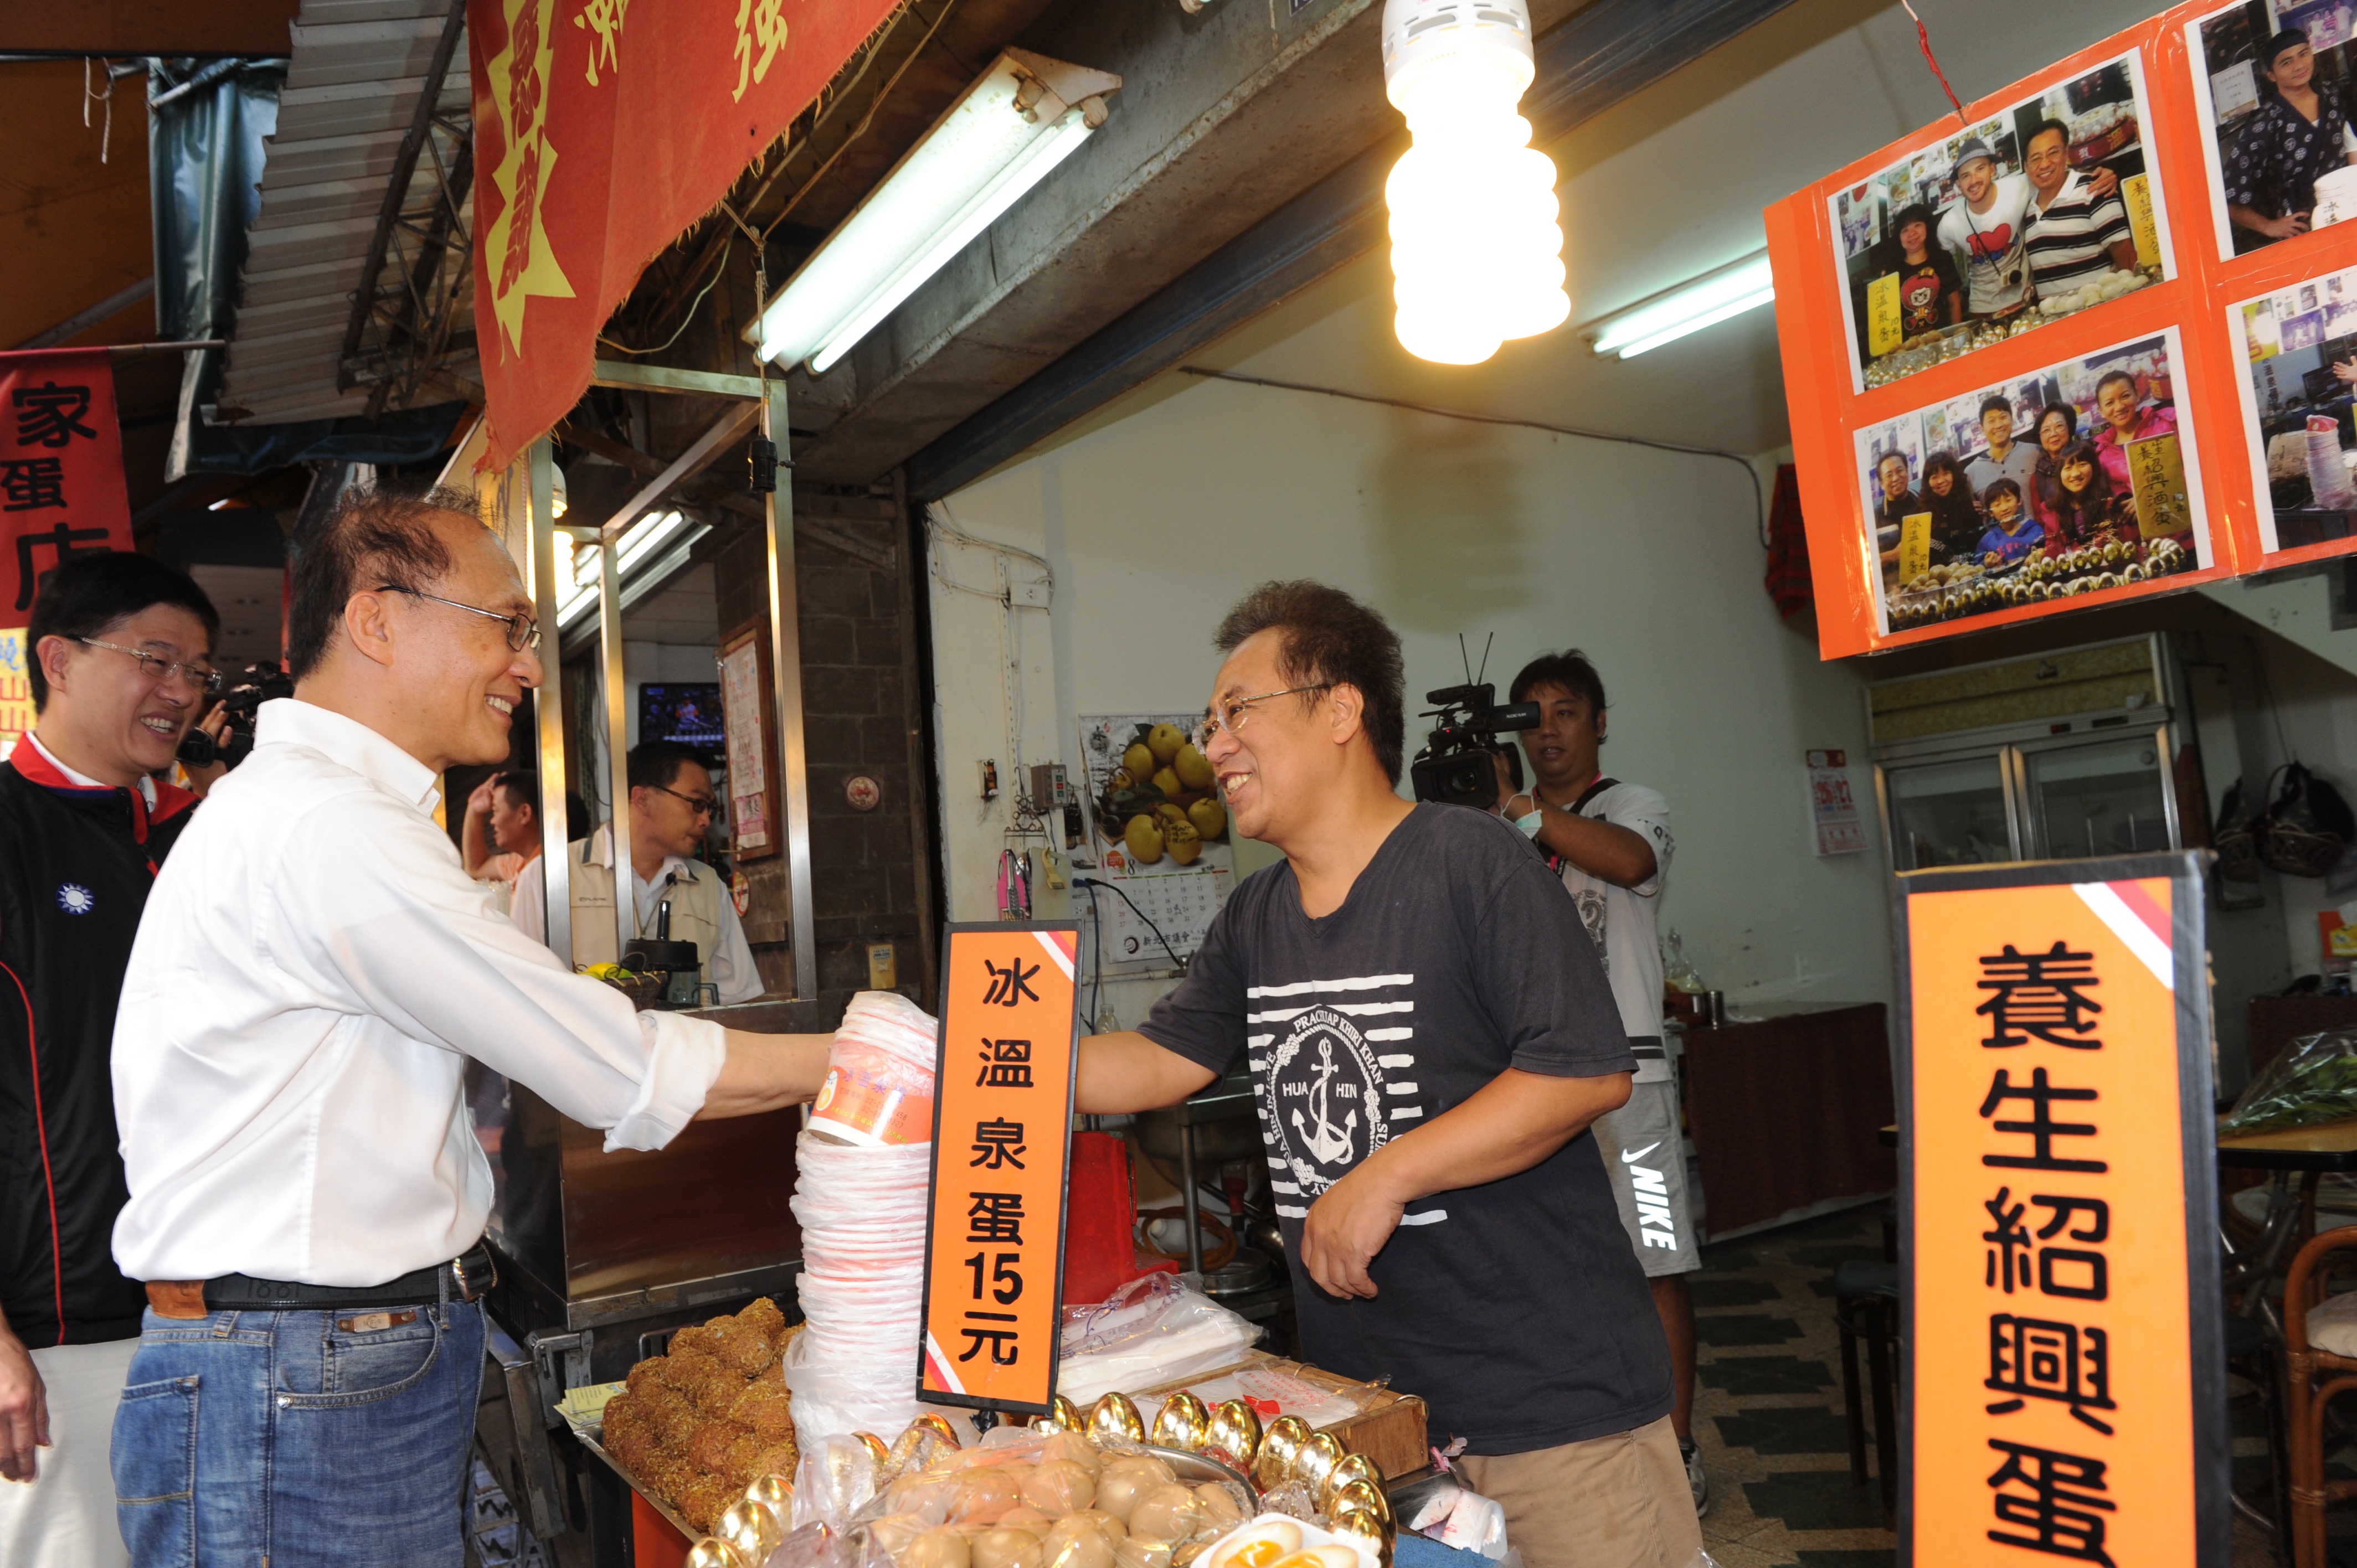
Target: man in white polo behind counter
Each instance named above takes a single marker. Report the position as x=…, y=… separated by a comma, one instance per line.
x=314, y=969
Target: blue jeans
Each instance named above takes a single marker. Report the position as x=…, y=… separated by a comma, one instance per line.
x=290, y=1438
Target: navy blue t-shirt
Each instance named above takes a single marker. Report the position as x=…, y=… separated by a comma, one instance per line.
x=1516, y=1308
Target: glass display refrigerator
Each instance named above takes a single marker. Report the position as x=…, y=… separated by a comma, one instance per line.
x=2060, y=756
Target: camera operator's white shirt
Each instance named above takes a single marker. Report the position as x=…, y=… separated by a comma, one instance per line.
x=312, y=973
x=1620, y=920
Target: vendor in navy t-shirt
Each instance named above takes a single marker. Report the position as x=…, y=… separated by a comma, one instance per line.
x=1427, y=1063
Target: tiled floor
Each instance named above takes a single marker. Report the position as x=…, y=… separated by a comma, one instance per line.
x=1767, y=1405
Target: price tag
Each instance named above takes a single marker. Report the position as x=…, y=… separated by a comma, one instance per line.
x=1002, y=1123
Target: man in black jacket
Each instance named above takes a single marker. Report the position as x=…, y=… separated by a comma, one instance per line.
x=119, y=662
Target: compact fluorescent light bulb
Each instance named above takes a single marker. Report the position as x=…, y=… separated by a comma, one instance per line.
x=1476, y=254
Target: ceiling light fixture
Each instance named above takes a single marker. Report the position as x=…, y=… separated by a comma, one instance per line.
x=638, y=543
x=1006, y=133
x=1476, y=254
x=1706, y=301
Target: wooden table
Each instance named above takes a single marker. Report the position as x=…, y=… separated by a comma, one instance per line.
x=2330, y=1147
x=1784, y=1112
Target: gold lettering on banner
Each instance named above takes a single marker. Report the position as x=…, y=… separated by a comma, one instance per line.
x=760, y=25
x=516, y=252
x=604, y=18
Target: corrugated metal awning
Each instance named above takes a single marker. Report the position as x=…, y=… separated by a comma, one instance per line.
x=358, y=72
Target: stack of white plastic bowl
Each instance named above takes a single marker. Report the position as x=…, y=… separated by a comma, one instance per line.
x=862, y=1210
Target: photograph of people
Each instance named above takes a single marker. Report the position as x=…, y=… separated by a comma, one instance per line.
x=2298, y=131
x=1899, y=503
x=2082, y=509
x=2012, y=533
x=1985, y=226
x=2056, y=428
x=2030, y=208
x=2300, y=347
x=2126, y=417
x=2006, y=457
x=1948, y=497
x=2077, y=231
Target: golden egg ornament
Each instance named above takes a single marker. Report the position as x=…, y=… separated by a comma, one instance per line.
x=1235, y=1427
x=752, y=1527
x=1181, y=1422
x=713, y=1553
x=1279, y=1446
x=1364, y=1528
x=1317, y=1461
x=1354, y=1468
x=1114, y=1419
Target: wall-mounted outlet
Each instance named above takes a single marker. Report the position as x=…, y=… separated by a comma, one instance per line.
x=989, y=779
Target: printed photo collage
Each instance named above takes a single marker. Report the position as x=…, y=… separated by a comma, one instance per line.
x=2080, y=477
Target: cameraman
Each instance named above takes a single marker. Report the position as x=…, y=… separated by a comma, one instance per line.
x=1427, y=1073
x=119, y=669
x=1611, y=843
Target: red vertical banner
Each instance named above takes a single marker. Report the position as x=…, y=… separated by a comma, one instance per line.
x=60, y=472
x=1002, y=1146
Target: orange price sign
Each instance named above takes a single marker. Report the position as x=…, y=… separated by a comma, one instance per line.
x=1002, y=1142
x=2065, y=1392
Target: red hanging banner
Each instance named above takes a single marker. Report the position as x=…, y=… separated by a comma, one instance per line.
x=60, y=470
x=603, y=129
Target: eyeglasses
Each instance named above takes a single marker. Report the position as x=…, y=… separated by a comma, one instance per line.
x=702, y=805
x=522, y=630
x=160, y=669
x=1235, y=711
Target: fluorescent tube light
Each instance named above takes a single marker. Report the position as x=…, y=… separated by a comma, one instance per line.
x=1006, y=133
x=638, y=541
x=1673, y=313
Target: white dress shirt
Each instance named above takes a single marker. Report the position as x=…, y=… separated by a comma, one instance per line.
x=312, y=972
x=733, y=971
x=146, y=785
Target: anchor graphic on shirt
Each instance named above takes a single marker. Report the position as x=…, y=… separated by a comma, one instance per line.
x=1326, y=1143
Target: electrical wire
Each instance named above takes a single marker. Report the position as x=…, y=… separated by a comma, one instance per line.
x=1114, y=889
x=1758, y=495
x=865, y=120
x=1096, y=944
x=694, y=305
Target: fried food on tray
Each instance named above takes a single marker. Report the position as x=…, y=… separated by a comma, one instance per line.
x=703, y=1499
x=747, y=1350
x=669, y=1416
x=715, y=1394
x=682, y=1368
x=708, y=1445
x=650, y=1370
x=696, y=1336
x=763, y=1314
x=779, y=1460
x=766, y=1408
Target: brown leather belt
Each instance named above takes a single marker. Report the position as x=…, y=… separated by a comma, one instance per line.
x=468, y=1277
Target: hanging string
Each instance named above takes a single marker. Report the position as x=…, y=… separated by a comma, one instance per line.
x=106, y=131
x=1923, y=39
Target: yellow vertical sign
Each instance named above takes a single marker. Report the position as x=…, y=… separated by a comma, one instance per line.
x=2157, y=478
x=1884, y=330
x=15, y=689
x=2136, y=191
x=1914, y=545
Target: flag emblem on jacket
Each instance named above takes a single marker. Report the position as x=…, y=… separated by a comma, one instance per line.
x=75, y=899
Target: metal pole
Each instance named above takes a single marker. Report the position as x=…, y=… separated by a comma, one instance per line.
x=548, y=700
x=1193, y=1201
x=786, y=662
x=618, y=734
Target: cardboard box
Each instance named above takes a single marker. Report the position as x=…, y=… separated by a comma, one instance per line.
x=1390, y=1429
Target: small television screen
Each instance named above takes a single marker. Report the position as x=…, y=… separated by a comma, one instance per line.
x=685, y=710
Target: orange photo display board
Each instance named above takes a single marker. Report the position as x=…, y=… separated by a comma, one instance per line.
x=2064, y=1393
x=2200, y=374
x=1002, y=1121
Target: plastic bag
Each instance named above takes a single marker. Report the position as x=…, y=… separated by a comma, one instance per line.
x=2313, y=1081
x=879, y=1073
x=1152, y=1330
x=862, y=1211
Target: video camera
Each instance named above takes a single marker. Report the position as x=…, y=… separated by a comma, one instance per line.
x=1454, y=766
x=256, y=685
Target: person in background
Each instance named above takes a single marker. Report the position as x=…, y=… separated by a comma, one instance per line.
x=2057, y=428
x=501, y=833
x=1412, y=984
x=2012, y=532
x=1948, y=495
x=119, y=671
x=672, y=802
x=2078, y=226
x=312, y=973
x=2006, y=457
x=1898, y=504
x=2299, y=131
x=2083, y=509
x=1931, y=296
x=1985, y=228
x=2126, y=418
x=1610, y=843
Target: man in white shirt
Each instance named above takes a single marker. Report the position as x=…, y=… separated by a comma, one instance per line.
x=1986, y=229
x=1611, y=842
x=314, y=969
x=672, y=802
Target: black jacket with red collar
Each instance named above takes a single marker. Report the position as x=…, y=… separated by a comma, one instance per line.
x=76, y=865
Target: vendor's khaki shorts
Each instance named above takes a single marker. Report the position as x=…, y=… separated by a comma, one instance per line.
x=1620, y=1502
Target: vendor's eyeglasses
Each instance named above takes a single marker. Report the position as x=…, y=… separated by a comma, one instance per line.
x=702, y=805
x=159, y=670
x=522, y=630
x=1233, y=713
